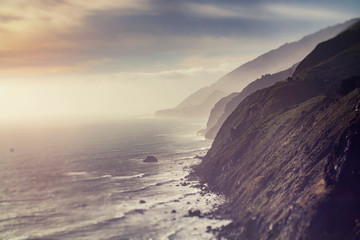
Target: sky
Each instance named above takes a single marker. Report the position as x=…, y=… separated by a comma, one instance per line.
x=68, y=59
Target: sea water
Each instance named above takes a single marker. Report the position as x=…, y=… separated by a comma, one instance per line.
x=86, y=181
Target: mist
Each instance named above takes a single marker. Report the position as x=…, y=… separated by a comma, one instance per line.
x=114, y=58
x=89, y=98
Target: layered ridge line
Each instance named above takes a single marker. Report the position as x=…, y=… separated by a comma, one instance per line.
x=288, y=156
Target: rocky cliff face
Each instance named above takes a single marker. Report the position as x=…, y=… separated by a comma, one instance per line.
x=227, y=105
x=288, y=157
x=271, y=62
x=216, y=113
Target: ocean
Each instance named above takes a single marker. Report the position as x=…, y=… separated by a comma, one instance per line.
x=90, y=182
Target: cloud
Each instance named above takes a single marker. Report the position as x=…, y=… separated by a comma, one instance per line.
x=130, y=34
x=9, y=18
x=13, y=66
x=176, y=74
x=213, y=11
x=305, y=12
x=103, y=54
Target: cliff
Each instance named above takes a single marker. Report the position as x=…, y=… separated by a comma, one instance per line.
x=216, y=113
x=271, y=62
x=288, y=157
x=227, y=105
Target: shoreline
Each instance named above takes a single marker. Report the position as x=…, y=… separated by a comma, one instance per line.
x=222, y=211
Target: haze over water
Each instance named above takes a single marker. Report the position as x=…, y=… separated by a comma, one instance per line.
x=86, y=182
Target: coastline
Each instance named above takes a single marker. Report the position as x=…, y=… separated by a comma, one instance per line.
x=288, y=156
x=101, y=182
x=221, y=211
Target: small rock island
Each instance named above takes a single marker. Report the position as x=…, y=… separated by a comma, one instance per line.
x=150, y=159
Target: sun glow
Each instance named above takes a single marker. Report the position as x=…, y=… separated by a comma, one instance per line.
x=92, y=59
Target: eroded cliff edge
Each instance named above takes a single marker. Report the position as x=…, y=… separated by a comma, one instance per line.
x=288, y=157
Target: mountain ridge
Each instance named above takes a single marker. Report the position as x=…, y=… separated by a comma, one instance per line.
x=197, y=110
x=230, y=102
x=288, y=156
x=273, y=61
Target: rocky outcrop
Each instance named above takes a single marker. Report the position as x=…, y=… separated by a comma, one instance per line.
x=150, y=159
x=288, y=157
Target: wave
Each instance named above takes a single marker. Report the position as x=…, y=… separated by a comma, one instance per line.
x=172, y=200
x=99, y=177
x=85, y=226
x=142, y=189
x=70, y=174
x=141, y=175
x=87, y=176
x=191, y=151
x=70, y=229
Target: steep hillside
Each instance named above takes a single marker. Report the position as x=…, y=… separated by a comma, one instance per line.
x=216, y=112
x=199, y=109
x=228, y=104
x=271, y=62
x=288, y=157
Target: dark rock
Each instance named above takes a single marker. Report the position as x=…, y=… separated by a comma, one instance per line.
x=195, y=213
x=173, y=211
x=140, y=211
x=201, y=186
x=142, y=201
x=150, y=159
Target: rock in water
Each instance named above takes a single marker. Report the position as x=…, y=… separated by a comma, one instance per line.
x=150, y=159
